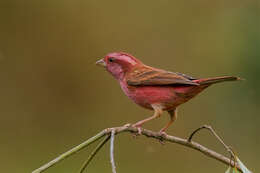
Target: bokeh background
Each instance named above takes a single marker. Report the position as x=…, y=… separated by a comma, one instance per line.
x=53, y=97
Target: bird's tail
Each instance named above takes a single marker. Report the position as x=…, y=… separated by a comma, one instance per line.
x=208, y=81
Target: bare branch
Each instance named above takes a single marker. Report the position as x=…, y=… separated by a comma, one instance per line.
x=215, y=134
x=112, y=151
x=147, y=133
x=94, y=152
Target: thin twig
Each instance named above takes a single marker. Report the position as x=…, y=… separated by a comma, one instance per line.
x=70, y=152
x=93, y=153
x=112, y=151
x=216, y=135
x=194, y=132
x=147, y=133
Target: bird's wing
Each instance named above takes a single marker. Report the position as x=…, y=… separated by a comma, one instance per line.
x=150, y=76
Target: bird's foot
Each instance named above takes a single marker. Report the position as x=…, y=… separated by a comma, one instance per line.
x=139, y=130
x=162, y=134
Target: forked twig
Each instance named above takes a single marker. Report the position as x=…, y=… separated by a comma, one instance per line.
x=70, y=152
x=216, y=135
x=93, y=153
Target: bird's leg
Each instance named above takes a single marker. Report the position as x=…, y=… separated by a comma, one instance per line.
x=173, y=117
x=157, y=113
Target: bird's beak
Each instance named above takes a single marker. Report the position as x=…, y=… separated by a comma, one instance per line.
x=101, y=62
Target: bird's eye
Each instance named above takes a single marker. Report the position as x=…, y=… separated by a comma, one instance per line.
x=111, y=59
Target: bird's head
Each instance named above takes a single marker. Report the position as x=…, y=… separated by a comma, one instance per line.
x=118, y=63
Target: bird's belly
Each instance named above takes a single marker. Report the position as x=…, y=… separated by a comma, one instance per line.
x=169, y=97
x=145, y=96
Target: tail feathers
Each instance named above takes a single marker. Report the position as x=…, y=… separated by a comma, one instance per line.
x=214, y=80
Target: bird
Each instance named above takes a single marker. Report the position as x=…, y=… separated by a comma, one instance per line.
x=155, y=89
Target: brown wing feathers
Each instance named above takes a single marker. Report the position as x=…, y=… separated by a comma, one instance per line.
x=148, y=76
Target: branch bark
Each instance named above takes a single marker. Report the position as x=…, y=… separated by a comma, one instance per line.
x=148, y=133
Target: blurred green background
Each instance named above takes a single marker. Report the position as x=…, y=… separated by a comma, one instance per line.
x=53, y=97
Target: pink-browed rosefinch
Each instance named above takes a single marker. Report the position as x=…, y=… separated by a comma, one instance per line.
x=153, y=88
